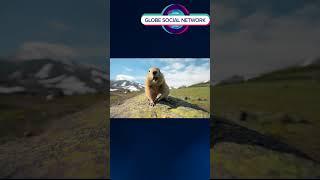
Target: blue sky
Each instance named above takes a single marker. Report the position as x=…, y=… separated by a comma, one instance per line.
x=177, y=72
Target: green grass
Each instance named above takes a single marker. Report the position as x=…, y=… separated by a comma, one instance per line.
x=198, y=95
x=206, y=84
x=244, y=161
x=195, y=95
x=74, y=146
x=191, y=102
x=22, y=113
x=270, y=102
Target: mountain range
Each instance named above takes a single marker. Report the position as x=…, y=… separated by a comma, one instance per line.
x=125, y=85
x=45, y=76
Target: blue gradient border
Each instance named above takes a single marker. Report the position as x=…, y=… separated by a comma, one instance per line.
x=159, y=149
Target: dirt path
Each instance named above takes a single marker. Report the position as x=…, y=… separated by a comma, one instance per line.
x=75, y=146
x=137, y=107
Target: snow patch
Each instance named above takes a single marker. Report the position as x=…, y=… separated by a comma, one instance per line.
x=113, y=90
x=8, y=90
x=131, y=88
x=44, y=71
x=124, y=84
x=97, y=80
x=52, y=80
x=72, y=85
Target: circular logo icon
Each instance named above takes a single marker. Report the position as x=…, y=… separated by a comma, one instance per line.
x=176, y=10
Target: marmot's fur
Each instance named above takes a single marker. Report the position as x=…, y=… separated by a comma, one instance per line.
x=156, y=88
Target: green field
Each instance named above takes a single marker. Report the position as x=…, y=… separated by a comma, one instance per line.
x=186, y=102
x=21, y=114
x=286, y=109
x=198, y=95
x=73, y=145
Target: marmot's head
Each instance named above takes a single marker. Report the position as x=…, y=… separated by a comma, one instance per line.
x=155, y=76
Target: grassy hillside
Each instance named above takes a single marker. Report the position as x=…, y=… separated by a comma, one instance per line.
x=311, y=72
x=288, y=110
x=205, y=84
x=190, y=102
x=240, y=161
x=75, y=145
x=23, y=115
x=281, y=105
x=197, y=94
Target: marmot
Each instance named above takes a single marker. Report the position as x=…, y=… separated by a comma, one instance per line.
x=156, y=88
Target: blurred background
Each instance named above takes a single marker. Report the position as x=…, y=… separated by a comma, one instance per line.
x=266, y=75
x=53, y=89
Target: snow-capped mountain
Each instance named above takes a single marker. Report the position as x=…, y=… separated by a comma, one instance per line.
x=44, y=76
x=122, y=85
x=310, y=62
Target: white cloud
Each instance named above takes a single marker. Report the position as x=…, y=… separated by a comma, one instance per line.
x=125, y=77
x=40, y=50
x=128, y=69
x=184, y=73
x=56, y=51
x=178, y=65
x=171, y=60
x=174, y=66
x=177, y=72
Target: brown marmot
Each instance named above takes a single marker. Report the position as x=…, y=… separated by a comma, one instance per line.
x=156, y=88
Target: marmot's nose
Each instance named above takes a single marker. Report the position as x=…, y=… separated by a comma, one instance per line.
x=154, y=72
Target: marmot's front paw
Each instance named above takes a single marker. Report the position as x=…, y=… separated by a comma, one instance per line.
x=151, y=103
